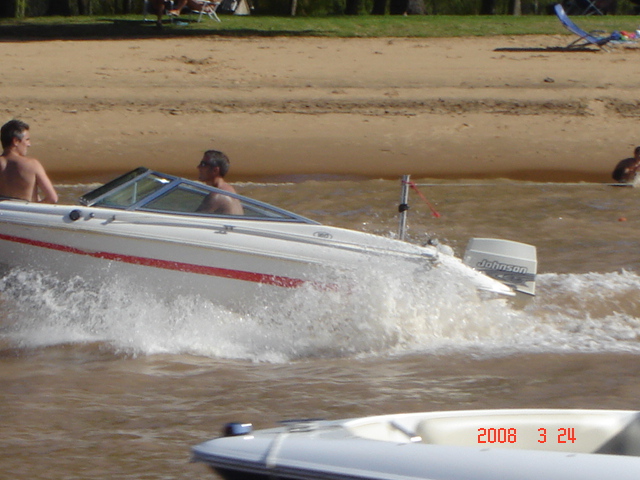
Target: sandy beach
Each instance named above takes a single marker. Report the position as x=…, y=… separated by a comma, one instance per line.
x=444, y=108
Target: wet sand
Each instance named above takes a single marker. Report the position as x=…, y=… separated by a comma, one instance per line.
x=447, y=108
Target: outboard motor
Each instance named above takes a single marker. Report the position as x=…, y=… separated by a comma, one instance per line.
x=513, y=263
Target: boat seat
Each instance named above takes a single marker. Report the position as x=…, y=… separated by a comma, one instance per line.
x=606, y=434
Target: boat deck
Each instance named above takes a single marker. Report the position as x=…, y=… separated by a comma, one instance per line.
x=604, y=432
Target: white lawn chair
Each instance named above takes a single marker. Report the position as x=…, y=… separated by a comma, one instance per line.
x=208, y=8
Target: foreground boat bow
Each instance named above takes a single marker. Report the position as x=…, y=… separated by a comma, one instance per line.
x=466, y=445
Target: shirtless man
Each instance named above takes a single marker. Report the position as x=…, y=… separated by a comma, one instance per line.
x=211, y=170
x=625, y=171
x=21, y=176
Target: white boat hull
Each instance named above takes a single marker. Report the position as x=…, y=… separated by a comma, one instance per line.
x=229, y=261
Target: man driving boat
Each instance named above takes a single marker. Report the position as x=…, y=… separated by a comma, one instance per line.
x=211, y=170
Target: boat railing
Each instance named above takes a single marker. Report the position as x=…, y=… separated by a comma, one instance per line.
x=403, y=207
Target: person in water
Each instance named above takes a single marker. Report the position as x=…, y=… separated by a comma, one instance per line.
x=22, y=177
x=625, y=171
x=211, y=170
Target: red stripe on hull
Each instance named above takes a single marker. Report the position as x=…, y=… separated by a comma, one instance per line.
x=262, y=278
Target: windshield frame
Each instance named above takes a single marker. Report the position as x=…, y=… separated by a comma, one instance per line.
x=130, y=180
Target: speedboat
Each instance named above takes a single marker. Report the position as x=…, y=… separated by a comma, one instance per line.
x=150, y=227
x=506, y=444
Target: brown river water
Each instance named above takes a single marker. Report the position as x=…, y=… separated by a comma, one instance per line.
x=114, y=382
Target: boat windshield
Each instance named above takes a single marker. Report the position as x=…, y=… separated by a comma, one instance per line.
x=133, y=192
x=145, y=190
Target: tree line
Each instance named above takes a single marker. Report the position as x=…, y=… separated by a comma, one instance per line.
x=35, y=8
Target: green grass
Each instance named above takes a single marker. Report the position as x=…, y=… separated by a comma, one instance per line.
x=132, y=26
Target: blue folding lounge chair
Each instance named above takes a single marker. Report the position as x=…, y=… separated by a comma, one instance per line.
x=585, y=39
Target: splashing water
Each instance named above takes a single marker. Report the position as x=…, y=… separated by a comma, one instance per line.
x=384, y=312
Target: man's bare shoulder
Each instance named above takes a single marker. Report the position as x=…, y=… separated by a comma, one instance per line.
x=27, y=164
x=222, y=185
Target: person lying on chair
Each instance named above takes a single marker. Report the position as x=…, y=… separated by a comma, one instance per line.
x=196, y=6
x=211, y=170
x=160, y=5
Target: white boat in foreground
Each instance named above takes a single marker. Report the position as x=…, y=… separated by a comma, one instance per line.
x=144, y=226
x=529, y=444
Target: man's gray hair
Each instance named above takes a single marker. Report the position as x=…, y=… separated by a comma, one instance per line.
x=12, y=129
x=217, y=159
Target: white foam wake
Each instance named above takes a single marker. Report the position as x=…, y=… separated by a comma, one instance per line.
x=391, y=312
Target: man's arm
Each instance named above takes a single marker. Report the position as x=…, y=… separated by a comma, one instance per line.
x=45, y=185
